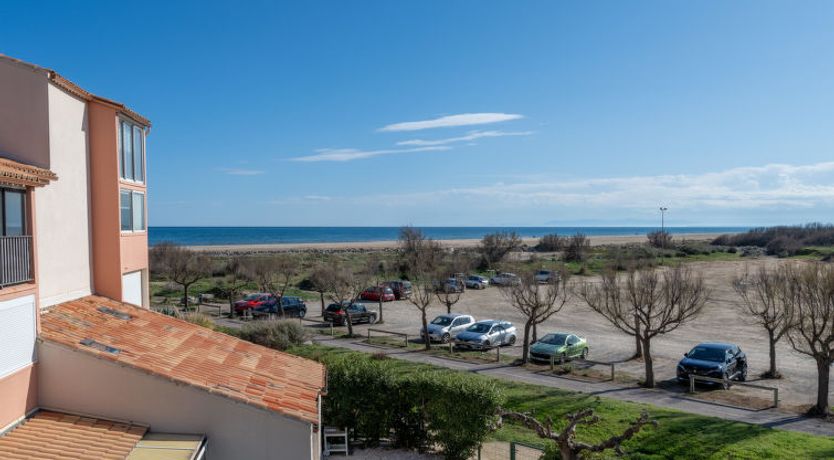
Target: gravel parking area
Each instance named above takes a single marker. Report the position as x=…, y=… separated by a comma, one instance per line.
x=720, y=322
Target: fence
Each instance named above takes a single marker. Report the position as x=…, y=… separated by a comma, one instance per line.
x=508, y=451
x=593, y=363
x=315, y=321
x=398, y=334
x=728, y=383
x=15, y=260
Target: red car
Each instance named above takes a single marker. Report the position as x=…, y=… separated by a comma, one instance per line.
x=373, y=293
x=254, y=301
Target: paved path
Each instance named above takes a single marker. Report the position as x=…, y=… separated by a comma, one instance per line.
x=774, y=418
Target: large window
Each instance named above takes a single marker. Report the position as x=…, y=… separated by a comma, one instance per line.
x=131, y=151
x=132, y=207
x=12, y=212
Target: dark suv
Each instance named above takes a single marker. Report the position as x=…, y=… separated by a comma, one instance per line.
x=402, y=289
x=717, y=360
x=293, y=307
x=337, y=313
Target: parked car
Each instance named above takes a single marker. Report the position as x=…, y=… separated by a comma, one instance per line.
x=402, y=289
x=718, y=360
x=448, y=285
x=486, y=334
x=505, y=279
x=374, y=293
x=559, y=345
x=292, y=307
x=477, y=282
x=256, y=300
x=546, y=276
x=444, y=327
x=337, y=313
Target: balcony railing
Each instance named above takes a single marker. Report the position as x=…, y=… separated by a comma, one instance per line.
x=15, y=260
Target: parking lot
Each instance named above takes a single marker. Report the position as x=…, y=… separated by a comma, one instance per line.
x=721, y=321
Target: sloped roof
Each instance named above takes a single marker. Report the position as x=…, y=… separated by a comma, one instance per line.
x=76, y=90
x=183, y=352
x=14, y=173
x=55, y=435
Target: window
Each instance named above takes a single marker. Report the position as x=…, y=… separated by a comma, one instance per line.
x=131, y=151
x=132, y=211
x=12, y=212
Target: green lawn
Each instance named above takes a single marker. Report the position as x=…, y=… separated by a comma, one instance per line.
x=678, y=435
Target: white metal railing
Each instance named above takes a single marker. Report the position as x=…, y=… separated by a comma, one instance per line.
x=15, y=259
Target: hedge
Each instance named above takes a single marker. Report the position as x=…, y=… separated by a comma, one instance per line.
x=451, y=411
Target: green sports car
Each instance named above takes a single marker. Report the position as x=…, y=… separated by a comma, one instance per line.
x=561, y=346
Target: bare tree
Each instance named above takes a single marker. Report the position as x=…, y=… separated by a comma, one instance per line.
x=659, y=239
x=565, y=440
x=766, y=298
x=273, y=274
x=536, y=301
x=420, y=257
x=234, y=280
x=660, y=303
x=343, y=287
x=377, y=271
x=812, y=334
x=494, y=247
x=447, y=296
x=577, y=248
x=180, y=265
x=320, y=278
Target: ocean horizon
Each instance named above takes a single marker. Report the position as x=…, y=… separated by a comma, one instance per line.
x=218, y=236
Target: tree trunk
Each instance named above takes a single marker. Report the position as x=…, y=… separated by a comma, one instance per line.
x=823, y=369
x=525, y=347
x=638, y=349
x=647, y=360
x=185, y=295
x=426, y=328
x=380, y=306
x=231, y=305
x=772, y=342
x=349, y=322
x=565, y=451
x=321, y=296
x=448, y=308
x=535, y=333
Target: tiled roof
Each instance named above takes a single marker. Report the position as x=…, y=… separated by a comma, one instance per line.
x=76, y=90
x=55, y=435
x=174, y=349
x=14, y=173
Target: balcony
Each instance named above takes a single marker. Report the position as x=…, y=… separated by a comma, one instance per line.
x=15, y=260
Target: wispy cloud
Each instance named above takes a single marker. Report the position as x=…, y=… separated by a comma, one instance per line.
x=471, y=136
x=318, y=197
x=241, y=172
x=463, y=119
x=356, y=154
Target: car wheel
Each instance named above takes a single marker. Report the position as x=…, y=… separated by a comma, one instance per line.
x=372, y=319
x=487, y=344
x=302, y=313
x=446, y=338
x=511, y=342
x=584, y=353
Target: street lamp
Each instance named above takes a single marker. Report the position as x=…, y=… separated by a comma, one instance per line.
x=662, y=219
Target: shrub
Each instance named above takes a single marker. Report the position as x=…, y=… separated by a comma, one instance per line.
x=783, y=246
x=198, y=319
x=277, y=334
x=451, y=410
x=800, y=235
x=577, y=248
x=660, y=239
x=550, y=243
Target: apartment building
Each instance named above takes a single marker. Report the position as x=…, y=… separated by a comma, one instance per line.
x=85, y=368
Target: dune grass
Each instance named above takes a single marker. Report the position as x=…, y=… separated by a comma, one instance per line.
x=678, y=434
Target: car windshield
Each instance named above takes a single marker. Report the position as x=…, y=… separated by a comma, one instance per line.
x=554, y=339
x=334, y=307
x=252, y=297
x=442, y=321
x=480, y=328
x=707, y=354
x=544, y=272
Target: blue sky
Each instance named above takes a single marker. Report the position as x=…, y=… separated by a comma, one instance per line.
x=461, y=112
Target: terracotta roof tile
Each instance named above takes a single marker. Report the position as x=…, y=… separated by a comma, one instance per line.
x=54, y=435
x=15, y=173
x=184, y=352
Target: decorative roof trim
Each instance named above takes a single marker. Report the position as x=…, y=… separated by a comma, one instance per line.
x=19, y=174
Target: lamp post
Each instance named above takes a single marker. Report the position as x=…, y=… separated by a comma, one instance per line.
x=663, y=210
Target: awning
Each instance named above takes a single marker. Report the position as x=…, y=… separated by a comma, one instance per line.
x=23, y=175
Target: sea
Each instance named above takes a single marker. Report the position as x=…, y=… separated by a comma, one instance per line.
x=214, y=236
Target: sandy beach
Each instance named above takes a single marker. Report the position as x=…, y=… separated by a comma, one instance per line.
x=386, y=245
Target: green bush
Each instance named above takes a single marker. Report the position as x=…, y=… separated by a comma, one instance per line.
x=277, y=334
x=451, y=410
x=198, y=319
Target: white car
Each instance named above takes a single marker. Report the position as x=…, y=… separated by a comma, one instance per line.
x=505, y=279
x=444, y=327
x=486, y=334
x=477, y=282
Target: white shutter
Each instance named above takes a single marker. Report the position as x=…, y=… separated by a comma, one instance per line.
x=132, y=288
x=17, y=334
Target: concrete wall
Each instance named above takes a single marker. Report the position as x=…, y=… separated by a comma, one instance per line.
x=18, y=394
x=24, y=114
x=63, y=211
x=74, y=381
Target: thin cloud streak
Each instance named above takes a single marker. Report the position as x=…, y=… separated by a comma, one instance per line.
x=356, y=154
x=463, y=119
x=471, y=136
x=241, y=172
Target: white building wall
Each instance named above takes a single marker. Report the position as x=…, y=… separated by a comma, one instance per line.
x=73, y=381
x=62, y=208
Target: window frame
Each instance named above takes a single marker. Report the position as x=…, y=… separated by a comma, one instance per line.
x=24, y=227
x=131, y=211
x=133, y=127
